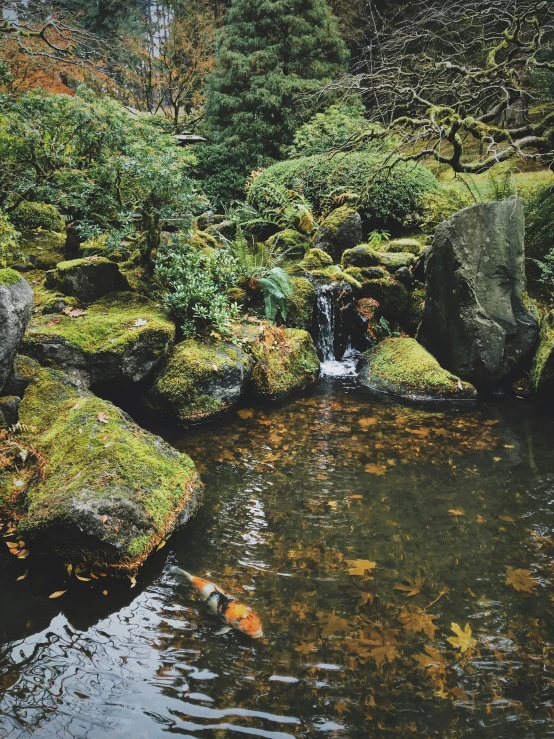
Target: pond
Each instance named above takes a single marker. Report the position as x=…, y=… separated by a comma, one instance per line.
x=400, y=560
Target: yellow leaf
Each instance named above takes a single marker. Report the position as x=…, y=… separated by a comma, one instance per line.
x=22, y=577
x=161, y=544
x=463, y=641
x=376, y=469
x=411, y=587
x=456, y=512
x=365, y=423
x=480, y=519
x=133, y=580
x=360, y=566
x=432, y=660
x=417, y=620
x=245, y=413
x=521, y=580
x=83, y=579
x=306, y=648
x=57, y=594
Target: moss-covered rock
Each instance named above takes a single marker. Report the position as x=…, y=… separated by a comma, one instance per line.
x=16, y=308
x=238, y=295
x=363, y=255
x=291, y=241
x=341, y=230
x=204, y=240
x=402, y=368
x=410, y=246
x=414, y=311
x=285, y=361
x=29, y=216
x=316, y=259
x=9, y=410
x=301, y=304
x=41, y=250
x=334, y=274
x=201, y=381
x=57, y=303
x=110, y=492
x=391, y=295
x=23, y=372
x=86, y=279
x=394, y=261
x=121, y=336
x=368, y=328
x=542, y=371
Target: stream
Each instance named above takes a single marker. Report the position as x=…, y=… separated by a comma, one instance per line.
x=400, y=560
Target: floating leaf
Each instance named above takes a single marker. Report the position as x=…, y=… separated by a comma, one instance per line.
x=431, y=660
x=366, y=423
x=22, y=577
x=360, y=566
x=521, y=580
x=57, y=594
x=83, y=579
x=306, y=648
x=417, y=620
x=463, y=639
x=376, y=469
x=456, y=512
x=411, y=587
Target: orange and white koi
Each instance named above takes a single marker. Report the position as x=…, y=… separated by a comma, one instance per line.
x=234, y=615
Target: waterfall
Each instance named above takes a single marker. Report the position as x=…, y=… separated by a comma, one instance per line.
x=333, y=319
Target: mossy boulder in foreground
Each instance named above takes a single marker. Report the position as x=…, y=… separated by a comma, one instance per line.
x=285, y=361
x=86, y=279
x=16, y=308
x=121, y=336
x=110, y=492
x=403, y=369
x=201, y=381
x=341, y=230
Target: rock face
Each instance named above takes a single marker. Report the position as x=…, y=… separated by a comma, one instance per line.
x=87, y=280
x=201, y=381
x=9, y=410
x=475, y=321
x=404, y=369
x=16, y=309
x=341, y=230
x=121, y=337
x=542, y=372
x=110, y=492
x=285, y=361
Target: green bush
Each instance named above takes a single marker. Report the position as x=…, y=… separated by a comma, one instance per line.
x=439, y=204
x=382, y=194
x=198, y=281
x=9, y=241
x=539, y=212
x=220, y=173
x=31, y=216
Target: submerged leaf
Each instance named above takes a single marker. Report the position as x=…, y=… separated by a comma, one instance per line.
x=417, y=620
x=411, y=587
x=521, y=580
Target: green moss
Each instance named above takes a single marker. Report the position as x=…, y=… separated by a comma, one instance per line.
x=406, y=365
x=301, y=304
x=237, y=295
x=316, y=259
x=409, y=246
x=204, y=240
x=363, y=255
x=391, y=295
x=291, y=241
x=96, y=246
x=285, y=361
x=337, y=218
x=30, y=216
x=9, y=277
x=72, y=263
x=542, y=371
x=112, y=491
x=108, y=325
x=335, y=274
x=394, y=261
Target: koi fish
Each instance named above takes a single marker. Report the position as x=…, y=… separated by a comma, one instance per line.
x=234, y=615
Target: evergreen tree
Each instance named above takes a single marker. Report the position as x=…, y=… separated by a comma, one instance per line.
x=271, y=54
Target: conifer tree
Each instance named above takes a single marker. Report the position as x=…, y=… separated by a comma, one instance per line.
x=270, y=55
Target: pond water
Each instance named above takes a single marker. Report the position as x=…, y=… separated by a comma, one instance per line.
x=401, y=562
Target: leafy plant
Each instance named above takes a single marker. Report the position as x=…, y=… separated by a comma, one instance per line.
x=284, y=207
x=198, y=281
x=540, y=232
x=9, y=242
x=31, y=216
x=376, y=238
x=277, y=289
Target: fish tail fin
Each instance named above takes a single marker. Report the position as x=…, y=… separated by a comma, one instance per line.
x=179, y=571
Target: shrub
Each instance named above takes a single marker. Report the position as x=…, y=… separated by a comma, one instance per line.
x=198, y=280
x=383, y=194
x=31, y=216
x=221, y=174
x=9, y=240
x=439, y=204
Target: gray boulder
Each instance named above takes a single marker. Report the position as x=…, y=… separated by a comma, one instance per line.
x=16, y=309
x=476, y=322
x=86, y=279
x=341, y=230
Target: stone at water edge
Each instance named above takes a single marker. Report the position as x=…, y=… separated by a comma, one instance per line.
x=200, y=381
x=341, y=230
x=402, y=368
x=16, y=309
x=86, y=279
x=111, y=492
x=476, y=322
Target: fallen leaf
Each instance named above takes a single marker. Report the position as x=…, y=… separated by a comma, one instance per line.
x=459, y=694
x=376, y=469
x=463, y=641
x=360, y=566
x=417, y=620
x=431, y=660
x=133, y=580
x=306, y=648
x=508, y=519
x=411, y=587
x=57, y=594
x=161, y=544
x=364, y=598
x=140, y=322
x=245, y=413
x=104, y=592
x=103, y=418
x=83, y=579
x=365, y=423
x=456, y=512
x=521, y=580
x=73, y=312
x=22, y=577
x=480, y=519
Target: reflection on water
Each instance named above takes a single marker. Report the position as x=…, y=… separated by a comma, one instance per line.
x=401, y=562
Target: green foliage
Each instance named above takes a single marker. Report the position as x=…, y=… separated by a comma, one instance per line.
x=31, y=216
x=9, y=242
x=221, y=173
x=383, y=194
x=270, y=55
x=277, y=289
x=339, y=125
x=284, y=208
x=198, y=280
x=539, y=212
x=439, y=204
x=100, y=166
x=376, y=238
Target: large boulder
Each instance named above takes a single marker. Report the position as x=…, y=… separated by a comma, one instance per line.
x=107, y=492
x=16, y=309
x=341, y=230
x=285, y=361
x=120, y=337
x=86, y=279
x=542, y=371
x=201, y=381
x=476, y=322
x=403, y=369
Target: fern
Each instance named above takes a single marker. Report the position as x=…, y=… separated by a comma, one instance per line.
x=277, y=288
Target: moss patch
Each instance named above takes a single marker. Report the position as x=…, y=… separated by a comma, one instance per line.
x=316, y=259
x=391, y=295
x=360, y=256
x=111, y=491
x=335, y=274
x=409, y=246
x=542, y=371
x=403, y=367
x=9, y=277
x=291, y=241
x=301, y=304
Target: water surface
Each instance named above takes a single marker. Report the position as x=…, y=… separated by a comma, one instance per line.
x=360, y=533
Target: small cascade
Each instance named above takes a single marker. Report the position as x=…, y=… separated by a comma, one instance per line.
x=333, y=320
